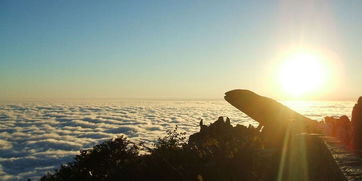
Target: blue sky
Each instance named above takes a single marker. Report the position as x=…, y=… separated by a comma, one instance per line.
x=169, y=49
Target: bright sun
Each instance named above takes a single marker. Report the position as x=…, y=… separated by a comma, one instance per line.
x=302, y=74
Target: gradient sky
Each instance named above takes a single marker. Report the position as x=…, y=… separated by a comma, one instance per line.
x=170, y=49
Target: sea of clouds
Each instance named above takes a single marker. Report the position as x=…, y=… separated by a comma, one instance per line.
x=37, y=137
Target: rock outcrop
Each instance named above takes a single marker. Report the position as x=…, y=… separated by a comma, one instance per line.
x=275, y=119
x=222, y=132
x=357, y=124
x=338, y=127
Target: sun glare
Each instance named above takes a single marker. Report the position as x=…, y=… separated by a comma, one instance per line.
x=302, y=74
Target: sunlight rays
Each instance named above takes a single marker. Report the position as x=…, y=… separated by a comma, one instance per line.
x=293, y=163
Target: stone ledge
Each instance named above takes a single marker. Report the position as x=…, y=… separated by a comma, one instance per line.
x=349, y=163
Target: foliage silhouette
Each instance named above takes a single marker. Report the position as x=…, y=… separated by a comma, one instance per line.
x=218, y=152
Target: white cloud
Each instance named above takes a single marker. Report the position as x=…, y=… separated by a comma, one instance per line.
x=36, y=138
x=5, y=145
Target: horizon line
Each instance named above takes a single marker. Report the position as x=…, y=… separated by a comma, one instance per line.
x=35, y=99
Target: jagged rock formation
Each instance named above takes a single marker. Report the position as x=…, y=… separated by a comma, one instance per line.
x=221, y=133
x=338, y=127
x=357, y=124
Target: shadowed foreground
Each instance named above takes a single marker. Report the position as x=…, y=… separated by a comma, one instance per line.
x=219, y=151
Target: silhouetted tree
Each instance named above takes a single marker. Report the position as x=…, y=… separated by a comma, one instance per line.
x=218, y=152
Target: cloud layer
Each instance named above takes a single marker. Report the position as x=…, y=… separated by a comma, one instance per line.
x=38, y=137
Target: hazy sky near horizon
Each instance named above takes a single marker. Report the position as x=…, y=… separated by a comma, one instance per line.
x=171, y=49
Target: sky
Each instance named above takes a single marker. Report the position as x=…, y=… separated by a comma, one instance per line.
x=172, y=49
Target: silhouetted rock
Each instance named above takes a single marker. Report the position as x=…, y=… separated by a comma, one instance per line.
x=338, y=127
x=222, y=132
x=202, y=126
x=357, y=124
x=274, y=119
